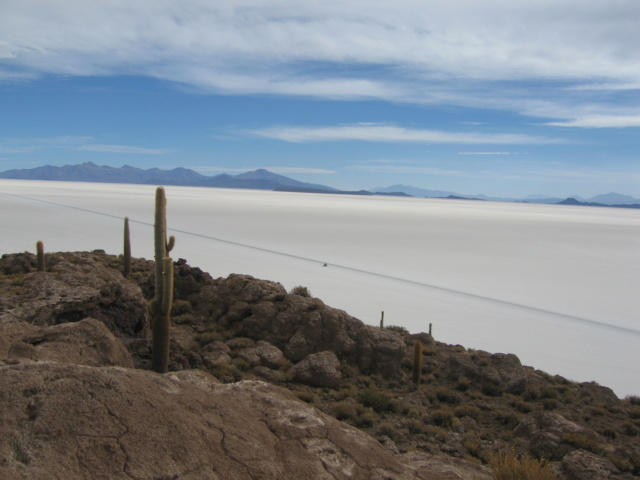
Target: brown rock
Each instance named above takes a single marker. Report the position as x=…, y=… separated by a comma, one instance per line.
x=77, y=422
x=263, y=354
x=318, y=370
x=87, y=342
x=583, y=465
x=76, y=286
x=543, y=435
x=300, y=326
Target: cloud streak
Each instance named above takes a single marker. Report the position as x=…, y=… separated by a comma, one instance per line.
x=122, y=149
x=384, y=133
x=407, y=51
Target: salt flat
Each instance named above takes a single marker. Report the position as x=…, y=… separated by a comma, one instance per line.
x=556, y=285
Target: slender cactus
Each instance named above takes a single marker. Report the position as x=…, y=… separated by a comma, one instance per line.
x=40, y=256
x=160, y=306
x=417, y=362
x=382, y=320
x=126, y=268
x=162, y=323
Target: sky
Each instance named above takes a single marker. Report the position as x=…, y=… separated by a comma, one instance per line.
x=502, y=97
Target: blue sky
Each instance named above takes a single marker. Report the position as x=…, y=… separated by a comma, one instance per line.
x=506, y=98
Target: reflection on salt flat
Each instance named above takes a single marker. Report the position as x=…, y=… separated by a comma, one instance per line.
x=554, y=284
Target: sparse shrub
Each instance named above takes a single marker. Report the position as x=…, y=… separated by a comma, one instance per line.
x=463, y=384
x=398, y=328
x=634, y=413
x=301, y=291
x=438, y=433
x=366, y=418
x=239, y=343
x=531, y=395
x=306, y=396
x=521, y=406
x=630, y=429
x=180, y=307
x=632, y=399
x=387, y=428
x=548, y=392
x=375, y=399
x=444, y=417
x=550, y=404
x=507, y=418
x=467, y=410
x=507, y=466
x=447, y=396
x=580, y=440
x=345, y=410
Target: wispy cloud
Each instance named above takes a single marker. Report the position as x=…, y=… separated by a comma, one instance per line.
x=386, y=133
x=601, y=121
x=122, y=149
x=319, y=171
x=489, y=153
x=407, y=51
x=406, y=169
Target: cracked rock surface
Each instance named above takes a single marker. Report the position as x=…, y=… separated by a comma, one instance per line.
x=70, y=422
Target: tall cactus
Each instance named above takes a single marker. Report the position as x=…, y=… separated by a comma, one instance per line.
x=160, y=306
x=162, y=322
x=417, y=362
x=40, y=256
x=126, y=262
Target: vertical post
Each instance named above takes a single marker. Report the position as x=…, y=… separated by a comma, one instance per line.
x=126, y=268
x=382, y=320
x=40, y=256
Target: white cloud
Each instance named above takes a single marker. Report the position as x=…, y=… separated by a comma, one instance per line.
x=401, y=51
x=385, y=133
x=122, y=149
x=319, y=171
x=488, y=153
x=601, y=121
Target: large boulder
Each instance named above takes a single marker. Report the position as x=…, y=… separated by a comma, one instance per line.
x=318, y=370
x=76, y=422
x=75, y=286
x=500, y=370
x=550, y=435
x=87, y=342
x=300, y=326
x=584, y=465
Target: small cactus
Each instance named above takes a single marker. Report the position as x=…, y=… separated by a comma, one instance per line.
x=417, y=362
x=382, y=320
x=126, y=268
x=40, y=256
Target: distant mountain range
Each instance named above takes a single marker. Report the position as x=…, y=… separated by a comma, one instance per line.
x=264, y=180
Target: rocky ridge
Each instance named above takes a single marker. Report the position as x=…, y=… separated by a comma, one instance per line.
x=267, y=384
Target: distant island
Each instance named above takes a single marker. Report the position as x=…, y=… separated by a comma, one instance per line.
x=262, y=179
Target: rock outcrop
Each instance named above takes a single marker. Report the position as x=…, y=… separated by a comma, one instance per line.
x=74, y=287
x=72, y=422
x=300, y=326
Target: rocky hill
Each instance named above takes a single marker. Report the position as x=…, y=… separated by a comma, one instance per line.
x=266, y=384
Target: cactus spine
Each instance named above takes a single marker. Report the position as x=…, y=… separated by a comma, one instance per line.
x=160, y=306
x=126, y=268
x=40, y=256
x=417, y=362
